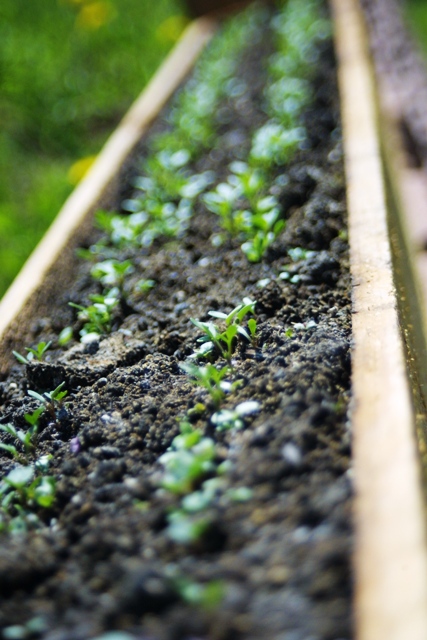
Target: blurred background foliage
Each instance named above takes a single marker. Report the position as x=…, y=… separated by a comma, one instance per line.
x=416, y=11
x=69, y=69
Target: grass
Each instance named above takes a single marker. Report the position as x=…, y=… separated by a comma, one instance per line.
x=69, y=69
x=416, y=13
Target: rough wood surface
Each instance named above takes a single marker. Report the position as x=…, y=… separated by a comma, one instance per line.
x=47, y=269
x=390, y=557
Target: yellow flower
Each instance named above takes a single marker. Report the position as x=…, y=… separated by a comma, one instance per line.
x=95, y=15
x=78, y=170
x=171, y=28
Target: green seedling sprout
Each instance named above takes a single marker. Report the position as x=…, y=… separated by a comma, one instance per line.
x=65, y=336
x=207, y=596
x=248, y=180
x=25, y=437
x=52, y=401
x=298, y=253
x=222, y=203
x=252, y=328
x=262, y=227
x=97, y=317
x=20, y=491
x=112, y=273
x=211, y=378
x=224, y=340
x=145, y=285
x=228, y=419
x=33, y=354
x=255, y=248
x=188, y=461
x=186, y=529
x=33, y=417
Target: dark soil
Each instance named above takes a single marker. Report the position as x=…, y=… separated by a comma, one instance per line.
x=103, y=562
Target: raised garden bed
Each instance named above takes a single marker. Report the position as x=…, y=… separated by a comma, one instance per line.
x=222, y=509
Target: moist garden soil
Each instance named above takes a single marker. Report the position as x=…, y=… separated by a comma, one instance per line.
x=104, y=560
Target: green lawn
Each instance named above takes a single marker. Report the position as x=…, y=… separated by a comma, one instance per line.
x=69, y=69
x=416, y=11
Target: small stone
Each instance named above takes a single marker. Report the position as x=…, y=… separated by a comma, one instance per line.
x=75, y=445
x=292, y=454
x=278, y=574
x=260, y=516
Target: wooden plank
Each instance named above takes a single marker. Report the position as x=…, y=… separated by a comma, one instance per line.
x=17, y=305
x=390, y=555
x=414, y=195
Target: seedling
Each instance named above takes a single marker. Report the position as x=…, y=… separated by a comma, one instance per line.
x=252, y=326
x=144, y=286
x=211, y=378
x=184, y=528
x=298, y=253
x=273, y=144
x=20, y=492
x=224, y=340
x=52, y=401
x=189, y=459
x=25, y=437
x=222, y=202
x=227, y=419
x=249, y=181
x=65, y=336
x=122, y=230
x=33, y=354
x=255, y=248
x=97, y=317
x=241, y=494
x=207, y=596
x=112, y=273
x=33, y=417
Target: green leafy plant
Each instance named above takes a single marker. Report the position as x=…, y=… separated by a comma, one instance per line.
x=224, y=340
x=112, y=273
x=208, y=595
x=28, y=439
x=36, y=353
x=227, y=419
x=22, y=491
x=145, y=285
x=25, y=437
x=97, y=317
x=52, y=401
x=222, y=201
x=190, y=458
x=252, y=326
x=184, y=528
x=65, y=336
x=298, y=253
x=249, y=181
x=274, y=144
x=211, y=378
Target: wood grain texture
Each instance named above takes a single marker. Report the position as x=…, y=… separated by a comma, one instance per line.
x=47, y=269
x=390, y=557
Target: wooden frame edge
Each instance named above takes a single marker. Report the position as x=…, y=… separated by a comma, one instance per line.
x=391, y=550
x=90, y=192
